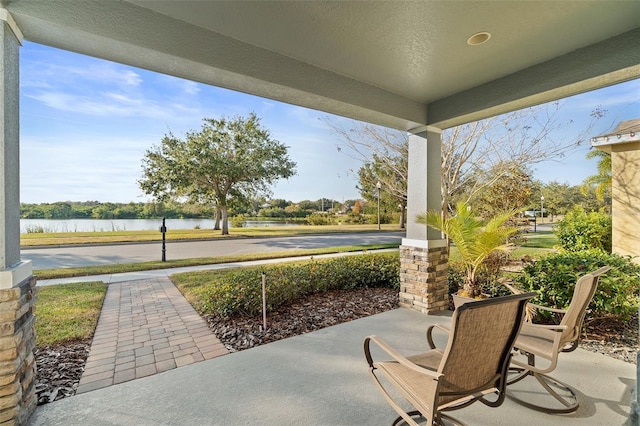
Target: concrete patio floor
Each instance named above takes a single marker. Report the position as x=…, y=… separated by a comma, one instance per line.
x=321, y=378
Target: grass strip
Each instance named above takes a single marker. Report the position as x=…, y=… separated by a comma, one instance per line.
x=112, y=237
x=544, y=239
x=43, y=274
x=517, y=253
x=68, y=312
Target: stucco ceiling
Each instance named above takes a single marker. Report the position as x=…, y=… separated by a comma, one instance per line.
x=396, y=63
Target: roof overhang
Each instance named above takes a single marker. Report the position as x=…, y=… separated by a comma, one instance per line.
x=398, y=64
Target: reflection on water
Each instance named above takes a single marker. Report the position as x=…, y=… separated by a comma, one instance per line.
x=106, y=225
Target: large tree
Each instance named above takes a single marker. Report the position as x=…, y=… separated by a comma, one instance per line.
x=226, y=163
x=512, y=192
x=385, y=154
x=489, y=148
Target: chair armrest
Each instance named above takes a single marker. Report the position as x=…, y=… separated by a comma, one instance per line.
x=430, y=331
x=551, y=327
x=546, y=308
x=396, y=356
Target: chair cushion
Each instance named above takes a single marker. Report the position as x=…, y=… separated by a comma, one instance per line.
x=430, y=360
x=536, y=340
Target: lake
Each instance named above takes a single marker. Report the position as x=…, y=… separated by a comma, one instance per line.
x=105, y=225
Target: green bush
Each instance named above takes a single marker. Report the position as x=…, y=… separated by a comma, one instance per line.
x=384, y=219
x=554, y=277
x=358, y=219
x=319, y=219
x=239, y=292
x=583, y=231
x=489, y=276
x=238, y=221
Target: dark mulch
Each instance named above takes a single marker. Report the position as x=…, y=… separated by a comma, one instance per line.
x=309, y=314
x=615, y=338
x=60, y=367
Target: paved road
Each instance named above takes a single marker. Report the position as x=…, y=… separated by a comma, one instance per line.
x=66, y=257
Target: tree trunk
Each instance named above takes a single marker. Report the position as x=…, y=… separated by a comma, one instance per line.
x=216, y=226
x=403, y=213
x=225, y=222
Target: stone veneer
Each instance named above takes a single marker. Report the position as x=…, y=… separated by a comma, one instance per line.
x=17, y=344
x=423, y=279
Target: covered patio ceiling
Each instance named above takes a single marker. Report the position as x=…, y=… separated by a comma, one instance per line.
x=394, y=63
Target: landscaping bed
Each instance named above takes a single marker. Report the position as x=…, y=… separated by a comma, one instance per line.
x=60, y=366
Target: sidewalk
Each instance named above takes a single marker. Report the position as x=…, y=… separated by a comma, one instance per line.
x=145, y=327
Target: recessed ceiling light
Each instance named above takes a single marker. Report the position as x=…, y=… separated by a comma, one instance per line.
x=478, y=38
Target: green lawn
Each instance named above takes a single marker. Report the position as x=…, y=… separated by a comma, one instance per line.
x=70, y=238
x=43, y=274
x=544, y=239
x=68, y=312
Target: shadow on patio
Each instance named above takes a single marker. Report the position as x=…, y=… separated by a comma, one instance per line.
x=321, y=378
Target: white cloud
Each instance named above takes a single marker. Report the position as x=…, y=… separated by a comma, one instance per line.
x=111, y=104
x=190, y=87
x=102, y=72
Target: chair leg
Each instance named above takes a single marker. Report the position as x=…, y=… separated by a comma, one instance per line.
x=547, y=382
x=518, y=374
x=437, y=422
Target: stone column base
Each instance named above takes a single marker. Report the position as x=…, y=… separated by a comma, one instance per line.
x=17, y=362
x=423, y=279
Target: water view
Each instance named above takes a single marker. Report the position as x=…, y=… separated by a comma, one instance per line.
x=106, y=225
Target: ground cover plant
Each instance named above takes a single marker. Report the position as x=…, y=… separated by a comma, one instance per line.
x=237, y=292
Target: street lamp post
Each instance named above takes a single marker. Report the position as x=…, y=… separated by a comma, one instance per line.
x=541, y=208
x=378, y=187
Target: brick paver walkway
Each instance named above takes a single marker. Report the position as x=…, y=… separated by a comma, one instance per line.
x=145, y=327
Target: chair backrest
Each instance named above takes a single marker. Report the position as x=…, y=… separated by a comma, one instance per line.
x=480, y=342
x=582, y=294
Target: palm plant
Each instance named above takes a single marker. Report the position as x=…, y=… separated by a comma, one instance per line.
x=601, y=181
x=475, y=239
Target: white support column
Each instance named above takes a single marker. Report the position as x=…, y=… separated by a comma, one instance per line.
x=17, y=284
x=10, y=40
x=423, y=188
x=423, y=253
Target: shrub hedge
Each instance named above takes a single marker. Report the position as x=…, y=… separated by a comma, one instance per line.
x=583, y=231
x=554, y=277
x=239, y=292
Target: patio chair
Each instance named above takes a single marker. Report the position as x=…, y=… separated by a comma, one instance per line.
x=548, y=341
x=471, y=367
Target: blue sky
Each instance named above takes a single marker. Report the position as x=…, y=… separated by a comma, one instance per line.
x=86, y=123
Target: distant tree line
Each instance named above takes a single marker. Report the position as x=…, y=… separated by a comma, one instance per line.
x=258, y=208
x=99, y=210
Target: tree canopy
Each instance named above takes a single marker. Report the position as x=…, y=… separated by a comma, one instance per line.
x=226, y=163
x=492, y=155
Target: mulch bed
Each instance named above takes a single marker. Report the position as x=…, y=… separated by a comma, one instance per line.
x=312, y=313
x=59, y=367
